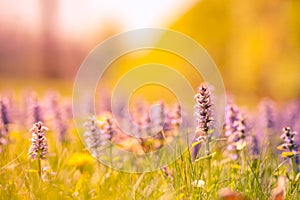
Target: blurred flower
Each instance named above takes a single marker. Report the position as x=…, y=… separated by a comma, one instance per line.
x=98, y=134
x=80, y=160
x=47, y=173
x=267, y=114
x=235, y=129
x=4, y=113
x=39, y=145
x=4, y=121
x=167, y=172
x=34, y=110
x=289, y=143
x=158, y=113
x=198, y=183
x=55, y=111
x=173, y=120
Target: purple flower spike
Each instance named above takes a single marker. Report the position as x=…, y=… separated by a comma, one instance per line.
x=235, y=129
x=204, y=118
x=288, y=137
x=203, y=109
x=39, y=145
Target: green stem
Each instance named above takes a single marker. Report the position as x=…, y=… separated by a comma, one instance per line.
x=295, y=168
x=208, y=159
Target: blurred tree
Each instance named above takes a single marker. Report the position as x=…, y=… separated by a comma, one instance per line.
x=254, y=43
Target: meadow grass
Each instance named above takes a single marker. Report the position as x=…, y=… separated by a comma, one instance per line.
x=89, y=179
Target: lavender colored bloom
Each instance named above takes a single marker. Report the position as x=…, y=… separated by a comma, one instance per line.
x=290, y=145
x=4, y=114
x=55, y=109
x=158, y=116
x=108, y=128
x=92, y=135
x=203, y=109
x=167, y=172
x=34, y=110
x=267, y=113
x=4, y=121
x=173, y=119
x=288, y=137
x=39, y=145
x=293, y=110
x=235, y=128
x=98, y=134
x=158, y=113
x=204, y=118
x=3, y=136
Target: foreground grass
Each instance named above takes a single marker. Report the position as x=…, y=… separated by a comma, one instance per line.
x=85, y=178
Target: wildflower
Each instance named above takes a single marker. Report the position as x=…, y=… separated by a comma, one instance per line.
x=4, y=121
x=34, y=108
x=39, y=145
x=158, y=113
x=198, y=183
x=290, y=147
x=204, y=118
x=203, y=109
x=288, y=137
x=47, y=173
x=55, y=110
x=80, y=160
x=167, y=172
x=3, y=136
x=4, y=113
x=267, y=113
x=98, y=134
x=235, y=128
x=173, y=119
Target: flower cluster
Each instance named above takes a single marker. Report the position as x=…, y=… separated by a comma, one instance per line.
x=288, y=137
x=98, y=133
x=203, y=109
x=173, y=119
x=4, y=121
x=235, y=128
x=4, y=113
x=204, y=118
x=39, y=145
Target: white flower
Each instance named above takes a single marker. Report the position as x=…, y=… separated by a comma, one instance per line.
x=198, y=183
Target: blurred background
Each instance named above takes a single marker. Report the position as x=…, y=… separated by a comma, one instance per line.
x=255, y=44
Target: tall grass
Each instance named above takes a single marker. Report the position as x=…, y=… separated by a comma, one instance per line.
x=71, y=173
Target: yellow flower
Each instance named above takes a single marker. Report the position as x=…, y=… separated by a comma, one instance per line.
x=80, y=160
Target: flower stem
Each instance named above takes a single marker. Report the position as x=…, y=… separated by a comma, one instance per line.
x=39, y=167
x=295, y=167
x=208, y=159
x=242, y=156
